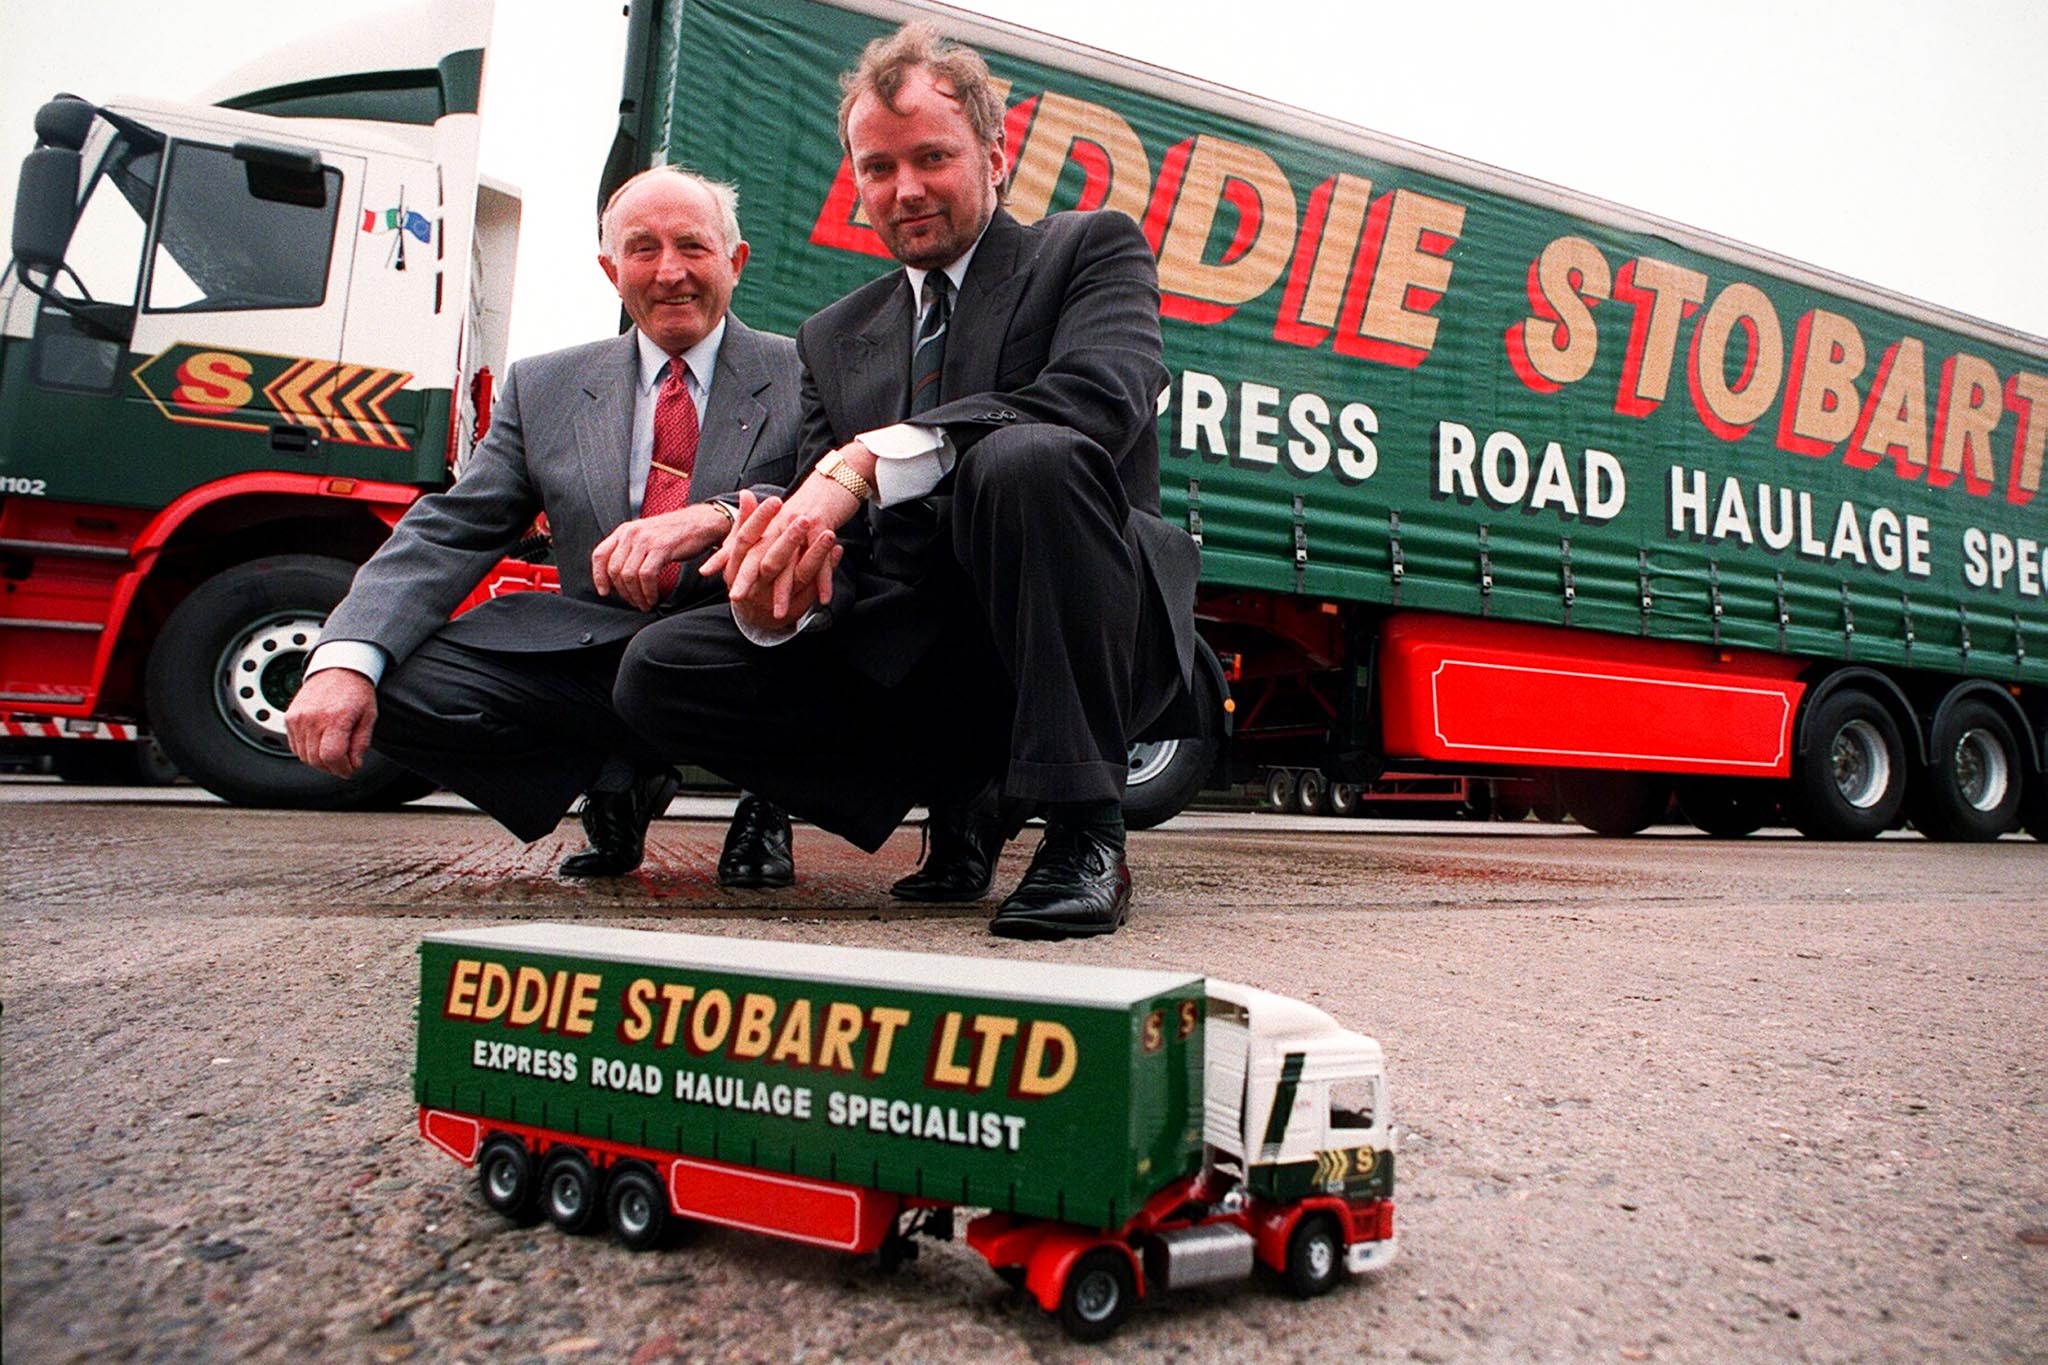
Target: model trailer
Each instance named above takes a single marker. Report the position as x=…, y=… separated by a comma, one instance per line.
x=1125, y=1132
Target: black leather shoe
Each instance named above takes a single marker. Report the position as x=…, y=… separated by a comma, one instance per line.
x=757, y=847
x=1077, y=886
x=961, y=849
x=616, y=823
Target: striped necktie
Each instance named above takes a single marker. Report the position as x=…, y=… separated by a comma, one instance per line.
x=675, y=455
x=929, y=359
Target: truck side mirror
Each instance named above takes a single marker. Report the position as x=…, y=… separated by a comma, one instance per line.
x=45, y=205
x=46, y=200
x=283, y=175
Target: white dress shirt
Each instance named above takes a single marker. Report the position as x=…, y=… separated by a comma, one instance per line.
x=911, y=459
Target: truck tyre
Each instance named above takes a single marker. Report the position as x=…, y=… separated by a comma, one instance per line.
x=1970, y=789
x=1850, y=783
x=1280, y=789
x=1346, y=799
x=1097, y=1296
x=1614, y=803
x=568, y=1191
x=638, y=1208
x=228, y=662
x=504, y=1174
x=1315, y=1256
x=1166, y=774
x=1312, y=793
x=1726, y=807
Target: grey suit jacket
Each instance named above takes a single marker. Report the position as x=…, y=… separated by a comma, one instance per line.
x=1057, y=322
x=561, y=441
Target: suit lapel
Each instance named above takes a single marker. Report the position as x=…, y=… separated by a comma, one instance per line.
x=733, y=414
x=875, y=360
x=988, y=296
x=604, y=434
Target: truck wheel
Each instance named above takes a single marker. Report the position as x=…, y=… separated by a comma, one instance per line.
x=1280, y=789
x=1312, y=793
x=1166, y=774
x=1726, y=807
x=1315, y=1256
x=504, y=1174
x=638, y=1209
x=1973, y=783
x=228, y=662
x=1346, y=799
x=1614, y=803
x=1097, y=1296
x=568, y=1191
x=1851, y=781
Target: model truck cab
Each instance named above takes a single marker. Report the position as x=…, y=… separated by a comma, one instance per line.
x=236, y=340
x=1295, y=1105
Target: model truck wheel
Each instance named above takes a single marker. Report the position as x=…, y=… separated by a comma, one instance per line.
x=1097, y=1296
x=1315, y=1256
x=504, y=1175
x=229, y=661
x=638, y=1209
x=1851, y=781
x=1972, y=786
x=568, y=1191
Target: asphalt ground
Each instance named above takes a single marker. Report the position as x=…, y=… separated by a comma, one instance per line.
x=1665, y=1098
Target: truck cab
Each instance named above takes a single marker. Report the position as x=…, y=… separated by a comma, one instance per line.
x=1296, y=1110
x=237, y=339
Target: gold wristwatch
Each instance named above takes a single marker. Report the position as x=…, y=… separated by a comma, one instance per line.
x=835, y=468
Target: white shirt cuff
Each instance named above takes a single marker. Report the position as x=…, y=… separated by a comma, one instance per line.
x=768, y=639
x=358, y=655
x=909, y=461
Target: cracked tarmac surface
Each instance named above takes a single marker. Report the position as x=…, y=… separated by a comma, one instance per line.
x=1666, y=1098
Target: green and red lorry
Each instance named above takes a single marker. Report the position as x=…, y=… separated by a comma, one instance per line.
x=1490, y=478
x=1124, y=1132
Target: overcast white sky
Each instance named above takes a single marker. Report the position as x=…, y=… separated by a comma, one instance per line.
x=1897, y=141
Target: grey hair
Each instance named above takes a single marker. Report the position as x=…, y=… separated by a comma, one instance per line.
x=725, y=196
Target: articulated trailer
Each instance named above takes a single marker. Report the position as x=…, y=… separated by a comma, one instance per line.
x=1490, y=477
x=1123, y=1132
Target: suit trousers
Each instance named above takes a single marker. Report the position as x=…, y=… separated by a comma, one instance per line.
x=520, y=735
x=1027, y=679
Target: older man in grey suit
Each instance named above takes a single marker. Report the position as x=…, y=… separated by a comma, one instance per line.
x=627, y=445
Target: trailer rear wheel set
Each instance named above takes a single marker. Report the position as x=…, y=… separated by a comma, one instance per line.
x=1971, y=771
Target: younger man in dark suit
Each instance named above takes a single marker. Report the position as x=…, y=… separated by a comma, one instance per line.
x=971, y=592
x=632, y=447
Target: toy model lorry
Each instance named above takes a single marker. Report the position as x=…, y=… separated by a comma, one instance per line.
x=1127, y=1131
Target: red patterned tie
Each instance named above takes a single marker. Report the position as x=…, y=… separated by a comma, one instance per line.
x=675, y=455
